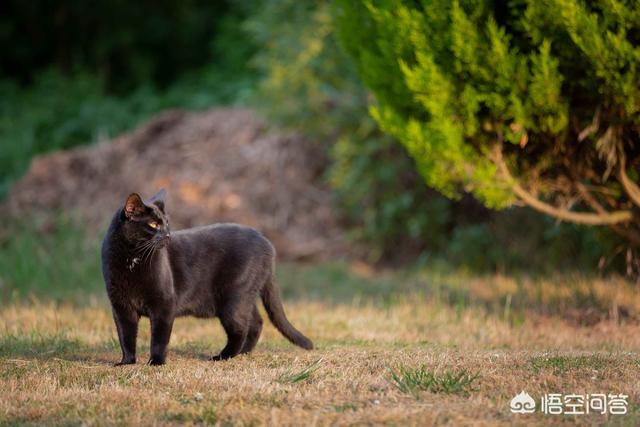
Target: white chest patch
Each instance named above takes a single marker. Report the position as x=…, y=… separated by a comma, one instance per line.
x=133, y=263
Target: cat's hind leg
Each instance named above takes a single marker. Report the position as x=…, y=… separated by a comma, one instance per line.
x=235, y=319
x=255, y=328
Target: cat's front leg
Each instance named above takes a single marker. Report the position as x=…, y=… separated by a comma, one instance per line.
x=161, y=324
x=127, y=325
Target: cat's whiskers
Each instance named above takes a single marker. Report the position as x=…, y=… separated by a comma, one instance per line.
x=147, y=246
x=141, y=247
x=148, y=255
x=144, y=251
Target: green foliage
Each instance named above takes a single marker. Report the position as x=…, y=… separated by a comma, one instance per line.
x=390, y=208
x=307, y=81
x=58, y=112
x=498, y=243
x=291, y=377
x=414, y=380
x=311, y=86
x=59, y=106
x=127, y=44
x=48, y=259
x=453, y=78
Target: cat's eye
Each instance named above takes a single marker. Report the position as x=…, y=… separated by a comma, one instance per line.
x=153, y=224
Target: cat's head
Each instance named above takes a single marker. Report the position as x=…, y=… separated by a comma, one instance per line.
x=146, y=221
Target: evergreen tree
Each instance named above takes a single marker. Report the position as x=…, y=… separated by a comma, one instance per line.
x=530, y=101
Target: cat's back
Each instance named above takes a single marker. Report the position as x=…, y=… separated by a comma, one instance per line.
x=223, y=238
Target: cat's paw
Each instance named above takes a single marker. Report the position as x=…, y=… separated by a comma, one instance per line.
x=156, y=361
x=220, y=357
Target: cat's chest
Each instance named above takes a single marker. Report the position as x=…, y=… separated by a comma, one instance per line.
x=130, y=286
x=130, y=293
x=140, y=286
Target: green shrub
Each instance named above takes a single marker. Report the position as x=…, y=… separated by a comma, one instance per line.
x=537, y=101
x=310, y=85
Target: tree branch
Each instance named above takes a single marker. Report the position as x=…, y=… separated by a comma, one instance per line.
x=604, y=218
x=632, y=189
x=592, y=128
x=631, y=234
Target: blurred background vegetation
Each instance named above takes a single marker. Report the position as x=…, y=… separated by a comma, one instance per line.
x=76, y=72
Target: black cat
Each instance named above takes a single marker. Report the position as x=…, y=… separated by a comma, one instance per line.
x=215, y=270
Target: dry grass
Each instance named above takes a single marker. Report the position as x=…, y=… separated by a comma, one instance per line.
x=55, y=367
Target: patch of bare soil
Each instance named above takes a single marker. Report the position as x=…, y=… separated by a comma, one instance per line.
x=221, y=165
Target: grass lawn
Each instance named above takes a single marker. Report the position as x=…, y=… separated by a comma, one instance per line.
x=431, y=346
x=410, y=360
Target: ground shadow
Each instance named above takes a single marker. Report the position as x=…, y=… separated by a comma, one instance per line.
x=53, y=347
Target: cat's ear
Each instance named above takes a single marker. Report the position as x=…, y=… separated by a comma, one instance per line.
x=134, y=206
x=158, y=199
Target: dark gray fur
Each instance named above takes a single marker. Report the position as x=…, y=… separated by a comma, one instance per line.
x=212, y=271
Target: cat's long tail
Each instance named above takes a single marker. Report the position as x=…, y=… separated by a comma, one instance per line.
x=273, y=305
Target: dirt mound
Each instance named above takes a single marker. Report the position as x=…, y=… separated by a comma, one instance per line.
x=217, y=166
